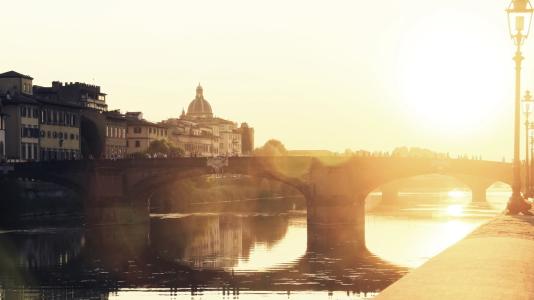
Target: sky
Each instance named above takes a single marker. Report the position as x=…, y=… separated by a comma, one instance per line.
x=329, y=75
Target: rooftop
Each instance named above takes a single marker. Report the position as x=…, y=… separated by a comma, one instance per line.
x=13, y=74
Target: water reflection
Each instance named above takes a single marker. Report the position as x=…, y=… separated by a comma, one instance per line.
x=239, y=254
x=218, y=241
x=416, y=230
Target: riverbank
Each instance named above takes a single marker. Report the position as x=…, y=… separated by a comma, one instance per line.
x=496, y=261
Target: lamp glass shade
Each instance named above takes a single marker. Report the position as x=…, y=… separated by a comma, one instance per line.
x=519, y=20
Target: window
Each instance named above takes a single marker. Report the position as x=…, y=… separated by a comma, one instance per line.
x=35, y=113
x=23, y=150
x=137, y=144
x=48, y=134
x=137, y=130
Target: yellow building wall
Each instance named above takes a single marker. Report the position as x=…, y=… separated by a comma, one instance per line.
x=68, y=143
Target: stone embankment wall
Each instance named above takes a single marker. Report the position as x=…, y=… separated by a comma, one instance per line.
x=496, y=261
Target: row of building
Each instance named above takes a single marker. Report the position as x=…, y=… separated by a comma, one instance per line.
x=68, y=121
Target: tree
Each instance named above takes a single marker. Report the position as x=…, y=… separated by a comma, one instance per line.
x=159, y=146
x=175, y=151
x=271, y=148
x=165, y=147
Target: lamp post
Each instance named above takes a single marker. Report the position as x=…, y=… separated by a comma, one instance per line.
x=531, y=169
x=519, y=19
x=528, y=103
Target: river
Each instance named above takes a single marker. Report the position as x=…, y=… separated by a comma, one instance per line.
x=236, y=255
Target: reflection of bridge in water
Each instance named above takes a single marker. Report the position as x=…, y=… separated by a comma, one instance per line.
x=335, y=188
x=166, y=255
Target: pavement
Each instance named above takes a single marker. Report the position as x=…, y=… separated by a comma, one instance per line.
x=496, y=261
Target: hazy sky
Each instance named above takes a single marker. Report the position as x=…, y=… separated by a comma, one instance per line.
x=314, y=74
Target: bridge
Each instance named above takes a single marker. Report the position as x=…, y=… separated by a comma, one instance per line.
x=335, y=188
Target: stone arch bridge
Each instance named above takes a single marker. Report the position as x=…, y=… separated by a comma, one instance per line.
x=335, y=188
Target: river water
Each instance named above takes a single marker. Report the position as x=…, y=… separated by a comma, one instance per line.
x=236, y=255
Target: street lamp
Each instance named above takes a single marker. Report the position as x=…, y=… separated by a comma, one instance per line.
x=528, y=105
x=519, y=19
x=531, y=169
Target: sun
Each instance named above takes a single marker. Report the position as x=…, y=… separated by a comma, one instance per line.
x=455, y=210
x=450, y=76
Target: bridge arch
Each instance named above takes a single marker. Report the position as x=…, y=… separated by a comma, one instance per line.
x=477, y=184
x=144, y=189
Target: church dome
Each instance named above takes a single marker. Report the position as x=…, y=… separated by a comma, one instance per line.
x=199, y=107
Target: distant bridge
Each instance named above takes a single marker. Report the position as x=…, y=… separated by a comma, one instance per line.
x=335, y=188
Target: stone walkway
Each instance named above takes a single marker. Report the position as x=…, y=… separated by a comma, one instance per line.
x=496, y=261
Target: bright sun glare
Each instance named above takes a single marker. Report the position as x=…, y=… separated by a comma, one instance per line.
x=455, y=210
x=445, y=73
x=456, y=194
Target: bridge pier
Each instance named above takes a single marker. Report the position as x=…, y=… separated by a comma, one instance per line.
x=336, y=211
x=390, y=194
x=336, y=226
x=107, y=201
x=478, y=193
x=477, y=185
x=116, y=211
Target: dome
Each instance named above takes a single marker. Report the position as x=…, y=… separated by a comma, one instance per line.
x=199, y=107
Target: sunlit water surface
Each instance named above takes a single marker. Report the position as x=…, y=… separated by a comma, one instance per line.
x=236, y=255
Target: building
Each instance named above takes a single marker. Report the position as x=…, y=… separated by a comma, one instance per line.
x=2, y=133
x=140, y=132
x=22, y=121
x=247, y=139
x=194, y=139
x=59, y=130
x=116, y=141
x=92, y=105
x=88, y=96
x=60, y=119
x=200, y=133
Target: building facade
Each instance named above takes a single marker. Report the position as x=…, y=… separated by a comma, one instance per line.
x=247, y=139
x=2, y=133
x=194, y=139
x=199, y=133
x=60, y=123
x=22, y=121
x=91, y=103
x=140, y=133
x=59, y=131
x=88, y=96
x=116, y=140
